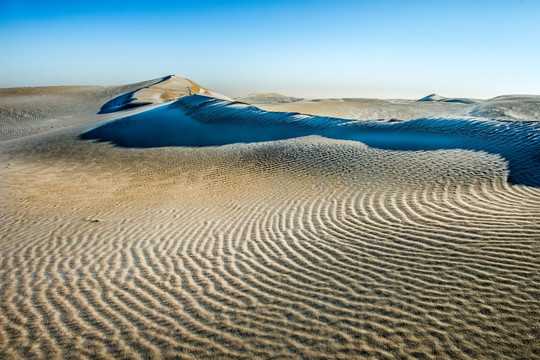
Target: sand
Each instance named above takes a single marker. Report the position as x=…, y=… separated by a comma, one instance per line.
x=300, y=247
x=359, y=109
x=162, y=90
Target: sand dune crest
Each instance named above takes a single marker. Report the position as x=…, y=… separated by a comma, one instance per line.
x=166, y=89
x=299, y=237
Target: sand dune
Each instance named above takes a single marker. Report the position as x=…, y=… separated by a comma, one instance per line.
x=506, y=107
x=27, y=111
x=510, y=107
x=300, y=246
x=203, y=121
x=365, y=109
x=267, y=98
x=166, y=89
x=438, y=98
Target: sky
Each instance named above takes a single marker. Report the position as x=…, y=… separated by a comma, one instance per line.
x=379, y=49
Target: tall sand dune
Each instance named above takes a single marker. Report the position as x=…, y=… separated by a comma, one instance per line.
x=205, y=229
x=166, y=89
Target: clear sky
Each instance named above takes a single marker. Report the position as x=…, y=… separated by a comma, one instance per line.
x=399, y=48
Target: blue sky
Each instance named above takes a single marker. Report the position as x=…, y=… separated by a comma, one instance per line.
x=399, y=48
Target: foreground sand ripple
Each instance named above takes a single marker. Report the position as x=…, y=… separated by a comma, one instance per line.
x=307, y=248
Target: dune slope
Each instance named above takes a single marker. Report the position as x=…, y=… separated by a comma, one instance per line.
x=34, y=110
x=300, y=246
x=203, y=121
x=166, y=89
x=510, y=107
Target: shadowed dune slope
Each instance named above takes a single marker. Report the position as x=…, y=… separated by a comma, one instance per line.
x=33, y=110
x=166, y=89
x=203, y=121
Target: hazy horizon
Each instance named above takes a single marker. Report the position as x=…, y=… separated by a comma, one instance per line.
x=390, y=49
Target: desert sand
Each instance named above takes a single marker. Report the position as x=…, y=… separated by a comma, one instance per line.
x=162, y=220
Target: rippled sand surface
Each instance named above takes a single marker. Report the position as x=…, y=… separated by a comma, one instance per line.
x=307, y=247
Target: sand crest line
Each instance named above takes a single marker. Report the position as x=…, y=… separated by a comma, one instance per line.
x=306, y=247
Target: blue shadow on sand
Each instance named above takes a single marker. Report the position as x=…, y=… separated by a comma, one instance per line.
x=125, y=101
x=197, y=121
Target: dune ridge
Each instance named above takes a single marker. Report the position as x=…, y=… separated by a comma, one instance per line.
x=301, y=247
x=202, y=121
x=166, y=89
x=439, y=98
x=506, y=107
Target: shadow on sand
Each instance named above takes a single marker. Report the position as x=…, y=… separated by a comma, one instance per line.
x=197, y=121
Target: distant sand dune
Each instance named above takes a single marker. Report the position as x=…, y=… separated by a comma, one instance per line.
x=510, y=107
x=360, y=109
x=507, y=107
x=438, y=98
x=305, y=247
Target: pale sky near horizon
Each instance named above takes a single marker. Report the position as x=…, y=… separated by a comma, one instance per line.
x=399, y=48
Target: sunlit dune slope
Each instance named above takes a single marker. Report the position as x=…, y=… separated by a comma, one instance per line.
x=169, y=88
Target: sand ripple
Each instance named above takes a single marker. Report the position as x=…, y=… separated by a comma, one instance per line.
x=306, y=248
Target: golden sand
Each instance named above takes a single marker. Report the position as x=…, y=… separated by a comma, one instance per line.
x=301, y=248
